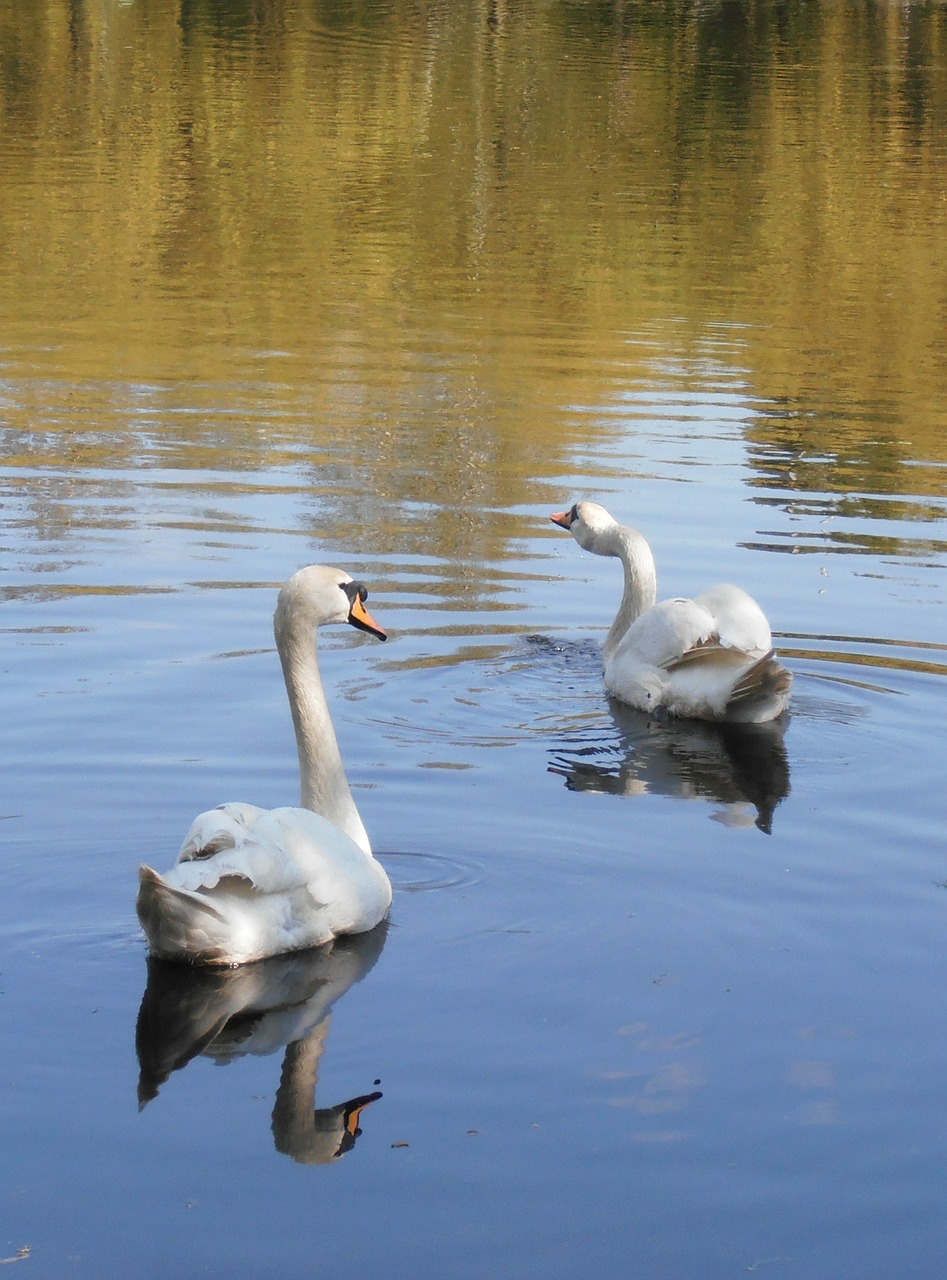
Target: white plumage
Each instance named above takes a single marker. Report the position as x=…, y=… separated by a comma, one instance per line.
x=710, y=658
x=249, y=882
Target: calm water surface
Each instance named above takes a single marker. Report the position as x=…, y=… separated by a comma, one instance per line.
x=382, y=286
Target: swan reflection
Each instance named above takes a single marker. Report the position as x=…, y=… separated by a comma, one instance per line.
x=735, y=764
x=258, y=1009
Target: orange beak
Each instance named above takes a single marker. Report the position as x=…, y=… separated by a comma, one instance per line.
x=361, y=618
x=354, y=1111
x=562, y=518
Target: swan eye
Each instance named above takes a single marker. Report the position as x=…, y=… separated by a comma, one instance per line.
x=355, y=591
x=574, y=513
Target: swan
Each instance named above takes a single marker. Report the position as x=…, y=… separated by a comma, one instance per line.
x=250, y=883
x=711, y=658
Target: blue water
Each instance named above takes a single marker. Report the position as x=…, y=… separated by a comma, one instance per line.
x=653, y=1000
x=616, y=1026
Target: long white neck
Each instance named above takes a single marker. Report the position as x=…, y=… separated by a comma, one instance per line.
x=641, y=578
x=293, y=1122
x=324, y=787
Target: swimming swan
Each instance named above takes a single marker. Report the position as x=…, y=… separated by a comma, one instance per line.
x=711, y=658
x=250, y=882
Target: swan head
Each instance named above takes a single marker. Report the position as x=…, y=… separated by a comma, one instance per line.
x=321, y=595
x=590, y=525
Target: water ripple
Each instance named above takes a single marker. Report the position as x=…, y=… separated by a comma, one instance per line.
x=423, y=872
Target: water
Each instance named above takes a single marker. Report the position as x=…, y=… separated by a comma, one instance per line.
x=384, y=288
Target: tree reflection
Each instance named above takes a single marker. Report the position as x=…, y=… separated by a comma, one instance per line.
x=300, y=211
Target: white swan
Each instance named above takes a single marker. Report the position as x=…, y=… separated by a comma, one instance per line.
x=710, y=658
x=249, y=882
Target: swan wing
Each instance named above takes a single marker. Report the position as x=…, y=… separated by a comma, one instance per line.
x=219, y=829
x=284, y=850
x=665, y=632
x=739, y=621
x=721, y=621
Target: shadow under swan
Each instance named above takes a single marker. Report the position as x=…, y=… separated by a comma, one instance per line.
x=734, y=764
x=223, y=1014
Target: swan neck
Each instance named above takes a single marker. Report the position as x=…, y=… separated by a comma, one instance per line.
x=293, y=1122
x=324, y=787
x=641, y=582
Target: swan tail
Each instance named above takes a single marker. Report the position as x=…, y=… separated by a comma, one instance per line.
x=180, y=924
x=761, y=693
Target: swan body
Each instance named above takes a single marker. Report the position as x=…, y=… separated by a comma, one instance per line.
x=250, y=883
x=710, y=658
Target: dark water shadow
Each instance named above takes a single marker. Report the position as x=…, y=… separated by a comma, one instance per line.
x=258, y=1009
x=637, y=755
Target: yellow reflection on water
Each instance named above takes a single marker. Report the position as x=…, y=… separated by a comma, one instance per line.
x=455, y=232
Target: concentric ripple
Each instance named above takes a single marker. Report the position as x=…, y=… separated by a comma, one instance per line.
x=423, y=872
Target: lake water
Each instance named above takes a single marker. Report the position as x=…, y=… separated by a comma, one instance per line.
x=382, y=285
